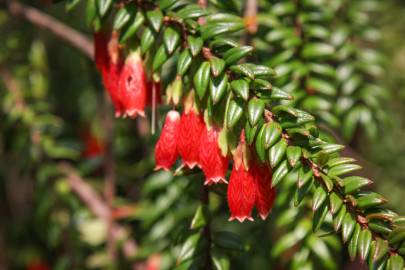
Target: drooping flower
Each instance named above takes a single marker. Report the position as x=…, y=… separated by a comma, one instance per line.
x=213, y=164
x=109, y=63
x=241, y=188
x=191, y=125
x=166, y=147
x=265, y=194
x=133, y=86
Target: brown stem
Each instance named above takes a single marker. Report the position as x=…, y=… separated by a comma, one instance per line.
x=37, y=17
x=251, y=16
x=96, y=205
x=205, y=199
x=109, y=169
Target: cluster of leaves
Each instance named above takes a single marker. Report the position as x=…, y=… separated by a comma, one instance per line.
x=322, y=52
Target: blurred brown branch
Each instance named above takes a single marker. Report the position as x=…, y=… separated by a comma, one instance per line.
x=37, y=17
x=97, y=206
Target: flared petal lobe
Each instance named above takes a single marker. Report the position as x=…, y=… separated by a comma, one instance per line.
x=166, y=147
x=241, y=193
x=213, y=164
x=191, y=126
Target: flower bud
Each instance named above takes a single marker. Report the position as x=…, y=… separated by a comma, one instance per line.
x=213, y=164
x=166, y=147
x=191, y=125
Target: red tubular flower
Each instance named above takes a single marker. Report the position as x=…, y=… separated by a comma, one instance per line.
x=241, y=188
x=108, y=62
x=213, y=164
x=241, y=193
x=133, y=86
x=265, y=194
x=191, y=125
x=166, y=147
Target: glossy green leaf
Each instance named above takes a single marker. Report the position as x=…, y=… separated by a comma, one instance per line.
x=255, y=110
x=200, y=218
x=217, y=66
x=319, y=216
x=277, y=152
x=293, y=154
x=354, y=183
x=218, y=87
x=195, y=44
x=343, y=169
x=123, y=16
x=354, y=242
x=260, y=149
x=171, y=39
x=395, y=262
x=235, y=112
x=233, y=55
x=279, y=173
x=347, y=227
x=271, y=134
x=155, y=18
x=147, y=39
x=365, y=238
x=202, y=79
x=184, y=62
x=369, y=199
x=335, y=203
x=241, y=88
x=319, y=198
x=104, y=6
x=160, y=58
x=132, y=27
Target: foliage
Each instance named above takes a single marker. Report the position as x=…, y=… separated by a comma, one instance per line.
x=299, y=62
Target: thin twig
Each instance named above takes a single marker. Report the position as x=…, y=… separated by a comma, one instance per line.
x=251, y=16
x=109, y=169
x=37, y=17
x=96, y=205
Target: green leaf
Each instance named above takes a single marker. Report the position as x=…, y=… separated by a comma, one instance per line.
x=352, y=184
x=319, y=216
x=277, y=152
x=271, y=134
x=343, y=169
x=354, y=242
x=104, y=6
x=347, y=227
x=241, y=88
x=228, y=240
x=293, y=154
x=319, y=197
x=380, y=250
x=189, y=247
x=217, y=66
x=338, y=220
x=220, y=261
x=233, y=55
x=132, y=27
x=218, y=87
x=200, y=218
x=395, y=262
x=123, y=16
x=235, y=112
x=339, y=161
x=211, y=30
x=242, y=69
x=195, y=44
x=155, y=18
x=191, y=12
x=279, y=173
x=255, y=110
x=160, y=58
x=165, y=4
x=202, y=79
x=277, y=93
x=171, y=38
x=147, y=39
x=335, y=203
x=369, y=199
x=263, y=72
x=327, y=181
x=251, y=132
x=365, y=238
x=317, y=50
x=184, y=62
x=260, y=149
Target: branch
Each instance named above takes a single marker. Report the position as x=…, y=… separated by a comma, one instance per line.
x=92, y=200
x=37, y=17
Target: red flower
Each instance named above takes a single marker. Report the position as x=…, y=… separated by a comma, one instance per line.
x=241, y=193
x=265, y=194
x=108, y=62
x=133, y=86
x=166, y=147
x=191, y=125
x=213, y=164
x=241, y=188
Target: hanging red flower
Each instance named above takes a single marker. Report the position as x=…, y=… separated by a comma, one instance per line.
x=213, y=164
x=265, y=194
x=133, y=86
x=191, y=125
x=166, y=147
